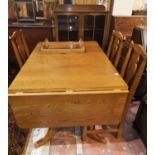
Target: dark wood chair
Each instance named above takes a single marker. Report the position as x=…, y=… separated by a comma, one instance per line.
x=20, y=47
x=131, y=71
x=115, y=47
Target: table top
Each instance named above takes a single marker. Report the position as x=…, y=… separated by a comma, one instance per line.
x=52, y=72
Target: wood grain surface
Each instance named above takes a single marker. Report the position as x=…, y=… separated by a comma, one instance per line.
x=56, y=90
x=48, y=72
x=66, y=109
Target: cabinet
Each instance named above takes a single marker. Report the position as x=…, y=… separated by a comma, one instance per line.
x=89, y=22
x=68, y=27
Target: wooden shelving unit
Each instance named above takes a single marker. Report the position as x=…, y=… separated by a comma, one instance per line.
x=89, y=22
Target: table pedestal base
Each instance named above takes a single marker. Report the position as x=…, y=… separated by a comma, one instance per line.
x=90, y=131
x=51, y=132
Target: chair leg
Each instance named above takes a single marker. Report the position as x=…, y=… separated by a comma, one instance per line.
x=120, y=131
x=97, y=137
x=86, y=129
x=91, y=132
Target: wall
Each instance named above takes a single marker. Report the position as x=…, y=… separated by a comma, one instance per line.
x=125, y=7
x=139, y=4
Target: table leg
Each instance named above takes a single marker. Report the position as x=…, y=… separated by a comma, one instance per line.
x=51, y=132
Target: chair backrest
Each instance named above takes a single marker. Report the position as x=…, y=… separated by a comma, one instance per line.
x=133, y=67
x=20, y=47
x=115, y=47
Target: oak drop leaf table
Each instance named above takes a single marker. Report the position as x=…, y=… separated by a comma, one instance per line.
x=74, y=89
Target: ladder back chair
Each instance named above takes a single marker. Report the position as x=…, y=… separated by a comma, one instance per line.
x=132, y=70
x=20, y=47
x=133, y=67
x=115, y=47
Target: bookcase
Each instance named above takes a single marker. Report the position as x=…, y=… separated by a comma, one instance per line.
x=89, y=22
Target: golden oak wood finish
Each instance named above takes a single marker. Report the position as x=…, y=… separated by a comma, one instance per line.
x=67, y=109
x=20, y=47
x=63, y=47
x=48, y=72
x=75, y=89
x=55, y=90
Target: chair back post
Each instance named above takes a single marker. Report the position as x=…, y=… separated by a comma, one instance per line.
x=120, y=47
x=17, y=55
x=136, y=81
x=115, y=47
x=25, y=44
x=20, y=47
x=110, y=45
x=132, y=69
x=131, y=64
x=126, y=60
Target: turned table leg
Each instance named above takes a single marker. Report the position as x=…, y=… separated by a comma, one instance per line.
x=51, y=132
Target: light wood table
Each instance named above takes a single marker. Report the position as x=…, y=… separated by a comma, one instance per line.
x=74, y=89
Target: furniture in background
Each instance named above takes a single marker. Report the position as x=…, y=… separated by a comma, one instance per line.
x=30, y=10
x=52, y=102
x=43, y=9
x=25, y=10
x=20, y=47
x=139, y=35
x=83, y=2
x=115, y=47
x=89, y=22
x=125, y=24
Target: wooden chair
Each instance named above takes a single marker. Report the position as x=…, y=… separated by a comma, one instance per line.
x=20, y=47
x=115, y=47
x=133, y=67
x=132, y=70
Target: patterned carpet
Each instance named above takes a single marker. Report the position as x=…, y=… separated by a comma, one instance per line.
x=67, y=141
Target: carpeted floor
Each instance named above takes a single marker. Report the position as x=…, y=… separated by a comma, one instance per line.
x=67, y=141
